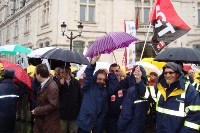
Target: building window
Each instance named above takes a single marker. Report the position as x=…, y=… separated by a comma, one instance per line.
x=1, y=17
x=87, y=10
x=27, y=22
x=148, y=51
x=0, y=38
x=197, y=47
x=16, y=28
x=144, y=7
x=198, y=13
x=89, y=44
x=47, y=44
x=78, y=47
x=45, y=13
x=8, y=33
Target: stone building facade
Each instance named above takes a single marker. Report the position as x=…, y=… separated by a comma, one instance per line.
x=36, y=23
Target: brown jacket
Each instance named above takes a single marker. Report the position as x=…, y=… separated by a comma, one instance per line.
x=47, y=109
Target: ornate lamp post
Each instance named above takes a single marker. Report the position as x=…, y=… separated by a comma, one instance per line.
x=63, y=28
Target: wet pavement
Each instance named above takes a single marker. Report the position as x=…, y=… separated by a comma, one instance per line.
x=25, y=127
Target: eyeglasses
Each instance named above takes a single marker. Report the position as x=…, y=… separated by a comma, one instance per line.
x=165, y=73
x=112, y=71
x=101, y=79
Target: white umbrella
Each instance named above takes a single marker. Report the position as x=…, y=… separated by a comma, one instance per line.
x=99, y=65
x=149, y=67
x=39, y=52
x=34, y=56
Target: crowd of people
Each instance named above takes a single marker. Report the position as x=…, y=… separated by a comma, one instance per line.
x=107, y=101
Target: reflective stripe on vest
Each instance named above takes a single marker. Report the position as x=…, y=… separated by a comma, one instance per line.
x=146, y=95
x=180, y=112
x=191, y=125
x=153, y=93
x=4, y=96
x=139, y=101
x=197, y=86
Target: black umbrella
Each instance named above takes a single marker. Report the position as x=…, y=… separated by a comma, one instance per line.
x=66, y=56
x=185, y=55
x=53, y=63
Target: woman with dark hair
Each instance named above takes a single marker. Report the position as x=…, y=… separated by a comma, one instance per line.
x=97, y=88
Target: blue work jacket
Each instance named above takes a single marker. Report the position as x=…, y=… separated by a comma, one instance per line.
x=95, y=101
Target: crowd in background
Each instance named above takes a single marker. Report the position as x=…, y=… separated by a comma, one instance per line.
x=107, y=101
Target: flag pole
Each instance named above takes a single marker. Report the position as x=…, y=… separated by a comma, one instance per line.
x=145, y=43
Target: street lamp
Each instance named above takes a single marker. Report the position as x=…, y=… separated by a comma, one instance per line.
x=63, y=28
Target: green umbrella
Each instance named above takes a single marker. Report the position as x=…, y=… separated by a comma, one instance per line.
x=14, y=49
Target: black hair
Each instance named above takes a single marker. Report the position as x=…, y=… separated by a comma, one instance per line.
x=42, y=70
x=67, y=69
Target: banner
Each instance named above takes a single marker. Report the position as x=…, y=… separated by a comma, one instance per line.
x=22, y=60
x=168, y=26
x=130, y=50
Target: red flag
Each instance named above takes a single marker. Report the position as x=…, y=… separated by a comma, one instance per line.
x=137, y=19
x=168, y=26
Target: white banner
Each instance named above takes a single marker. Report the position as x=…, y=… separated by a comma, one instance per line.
x=130, y=50
x=22, y=60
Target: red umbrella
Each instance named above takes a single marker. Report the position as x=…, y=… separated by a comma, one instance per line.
x=19, y=72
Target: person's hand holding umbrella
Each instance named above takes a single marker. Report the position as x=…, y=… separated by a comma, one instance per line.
x=95, y=58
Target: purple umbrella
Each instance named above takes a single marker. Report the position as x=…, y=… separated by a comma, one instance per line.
x=108, y=43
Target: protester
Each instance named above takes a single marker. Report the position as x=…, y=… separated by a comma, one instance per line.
x=97, y=88
x=56, y=74
x=115, y=101
x=152, y=105
x=134, y=108
x=70, y=98
x=196, y=83
x=47, y=106
x=22, y=102
x=34, y=87
x=8, y=102
x=191, y=73
x=152, y=80
x=177, y=102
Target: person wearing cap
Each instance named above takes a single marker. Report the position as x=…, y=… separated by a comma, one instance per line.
x=8, y=101
x=177, y=102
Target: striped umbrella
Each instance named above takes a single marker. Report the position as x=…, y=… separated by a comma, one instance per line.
x=108, y=43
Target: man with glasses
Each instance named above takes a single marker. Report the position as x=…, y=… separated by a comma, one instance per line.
x=115, y=101
x=177, y=103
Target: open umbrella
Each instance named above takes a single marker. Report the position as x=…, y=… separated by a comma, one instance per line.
x=19, y=72
x=14, y=49
x=34, y=56
x=99, y=65
x=108, y=43
x=65, y=56
x=149, y=67
x=156, y=63
x=185, y=55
